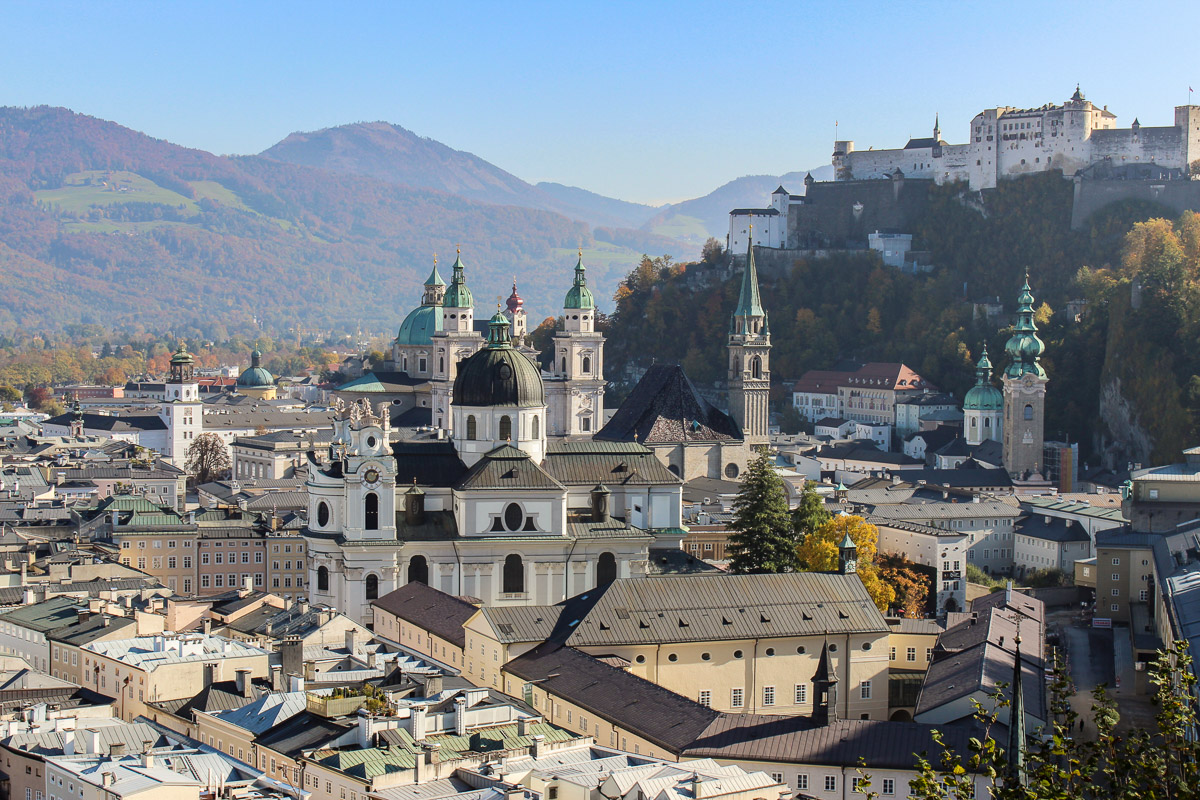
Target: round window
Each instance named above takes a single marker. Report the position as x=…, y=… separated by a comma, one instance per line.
x=770, y=651
x=801, y=649
x=322, y=514
x=866, y=645
x=371, y=442
x=513, y=517
x=640, y=659
x=737, y=653
x=833, y=648
x=672, y=657
x=731, y=470
x=706, y=656
x=505, y=372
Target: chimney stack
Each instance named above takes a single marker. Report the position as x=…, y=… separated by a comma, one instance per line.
x=600, y=495
x=535, y=749
x=417, y=715
x=433, y=685
x=460, y=716
x=244, y=684
x=351, y=640
x=210, y=670
x=414, y=506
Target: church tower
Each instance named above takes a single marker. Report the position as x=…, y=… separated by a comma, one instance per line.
x=983, y=407
x=1024, y=393
x=750, y=358
x=575, y=391
x=181, y=409
x=455, y=341
x=514, y=311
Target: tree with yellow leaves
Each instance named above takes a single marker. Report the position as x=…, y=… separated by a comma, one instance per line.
x=819, y=553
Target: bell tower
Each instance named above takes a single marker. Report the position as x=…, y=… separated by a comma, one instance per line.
x=750, y=357
x=1024, y=393
x=575, y=391
x=455, y=341
x=181, y=408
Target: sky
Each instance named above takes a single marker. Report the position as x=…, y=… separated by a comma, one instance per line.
x=645, y=101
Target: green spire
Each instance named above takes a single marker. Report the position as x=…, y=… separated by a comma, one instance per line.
x=1024, y=347
x=1016, y=722
x=749, y=302
x=580, y=296
x=458, y=295
x=983, y=370
x=498, y=330
x=435, y=277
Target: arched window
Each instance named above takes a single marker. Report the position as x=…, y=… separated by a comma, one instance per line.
x=471, y=428
x=372, y=587
x=564, y=365
x=505, y=428
x=1028, y=411
x=587, y=364
x=756, y=367
x=973, y=422
x=441, y=364
x=418, y=570
x=371, y=511
x=537, y=427
x=322, y=579
x=606, y=569
x=987, y=422
x=514, y=575
x=322, y=514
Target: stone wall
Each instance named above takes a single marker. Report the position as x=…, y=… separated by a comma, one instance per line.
x=1093, y=195
x=841, y=214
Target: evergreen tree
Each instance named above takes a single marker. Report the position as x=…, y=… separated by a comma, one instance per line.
x=763, y=540
x=810, y=514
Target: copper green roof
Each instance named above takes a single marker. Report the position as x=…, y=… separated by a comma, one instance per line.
x=420, y=325
x=749, y=301
x=182, y=356
x=257, y=376
x=1024, y=348
x=435, y=277
x=579, y=295
x=983, y=396
x=458, y=295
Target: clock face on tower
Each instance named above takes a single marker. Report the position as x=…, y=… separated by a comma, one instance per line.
x=371, y=477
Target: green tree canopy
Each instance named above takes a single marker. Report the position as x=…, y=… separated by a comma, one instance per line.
x=762, y=540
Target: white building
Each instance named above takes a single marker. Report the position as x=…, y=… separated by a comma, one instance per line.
x=766, y=226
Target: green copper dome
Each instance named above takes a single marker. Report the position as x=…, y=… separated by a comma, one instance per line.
x=435, y=277
x=182, y=356
x=983, y=396
x=1024, y=348
x=580, y=296
x=420, y=325
x=498, y=375
x=257, y=377
x=458, y=295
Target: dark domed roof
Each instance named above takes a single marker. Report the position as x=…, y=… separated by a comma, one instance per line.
x=498, y=375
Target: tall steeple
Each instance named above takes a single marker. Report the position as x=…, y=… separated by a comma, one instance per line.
x=983, y=406
x=847, y=555
x=455, y=341
x=1016, y=721
x=1024, y=393
x=750, y=356
x=575, y=391
x=435, y=287
x=937, y=128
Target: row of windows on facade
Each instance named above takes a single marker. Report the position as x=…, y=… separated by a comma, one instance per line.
x=187, y=543
x=512, y=577
x=737, y=695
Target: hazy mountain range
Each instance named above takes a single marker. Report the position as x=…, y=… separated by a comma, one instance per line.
x=329, y=229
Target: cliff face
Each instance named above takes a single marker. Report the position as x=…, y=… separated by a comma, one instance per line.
x=1122, y=438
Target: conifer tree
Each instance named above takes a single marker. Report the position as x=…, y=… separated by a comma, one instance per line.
x=763, y=540
x=810, y=513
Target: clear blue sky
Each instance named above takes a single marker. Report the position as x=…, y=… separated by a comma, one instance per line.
x=646, y=101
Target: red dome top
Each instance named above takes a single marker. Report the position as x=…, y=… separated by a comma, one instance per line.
x=515, y=302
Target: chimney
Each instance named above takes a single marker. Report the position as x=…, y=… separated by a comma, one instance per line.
x=116, y=749
x=277, y=677
x=244, y=684
x=148, y=757
x=523, y=726
x=210, y=671
x=106, y=779
x=416, y=719
x=514, y=793
x=291, y=656
x=697, y=783
x=460, y=716
x=83, y=616
x=535, y=749
x=414, y=506
x=600, y=495
x=433, y=685
x=206, y=626
x=247, y=586
x=351, y=640
x=426, y=763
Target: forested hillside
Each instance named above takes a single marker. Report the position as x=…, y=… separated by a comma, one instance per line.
x=1123, y=381
x=104, y=225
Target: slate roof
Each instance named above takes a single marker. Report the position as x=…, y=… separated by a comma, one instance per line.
x=302, y=733
x=93, y=628
x=218, y=696
x=506, y=467
x=1069, y=506
x=641, y=707
x=429, y=463
x=131, y=734
x=612, y=463
x=880, y=744
x=113, y=424
x=989, y=451
x=519, y=624
x=441, y=614
x=1057, y=529
x=381, y=382
x=12, y=595
x=46, y=615
x=962, y=477
x=665, y=407
x=687, y=608
x=265, y=712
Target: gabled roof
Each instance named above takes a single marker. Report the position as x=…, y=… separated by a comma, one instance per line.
x=441, y=614
x=588, y=463
x=506, y=467
x=665, y=407
x=427, y=464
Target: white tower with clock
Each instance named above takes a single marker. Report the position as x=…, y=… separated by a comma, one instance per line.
x=367, y=506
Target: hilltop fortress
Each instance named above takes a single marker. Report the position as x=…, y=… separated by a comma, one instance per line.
x=1007, y=142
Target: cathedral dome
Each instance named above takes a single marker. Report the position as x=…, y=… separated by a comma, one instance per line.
x=256, y=377
x=983, y=398
x=499, y=375
x=420, y=325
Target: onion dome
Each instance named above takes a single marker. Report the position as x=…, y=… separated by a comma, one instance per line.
x=580, y=296
x=515, y=303
x=983, y=396
x=1024, y=347
x=257, y=377
x=458, y=295
x=499, y=375
x=420, y=325
x=182, y=356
